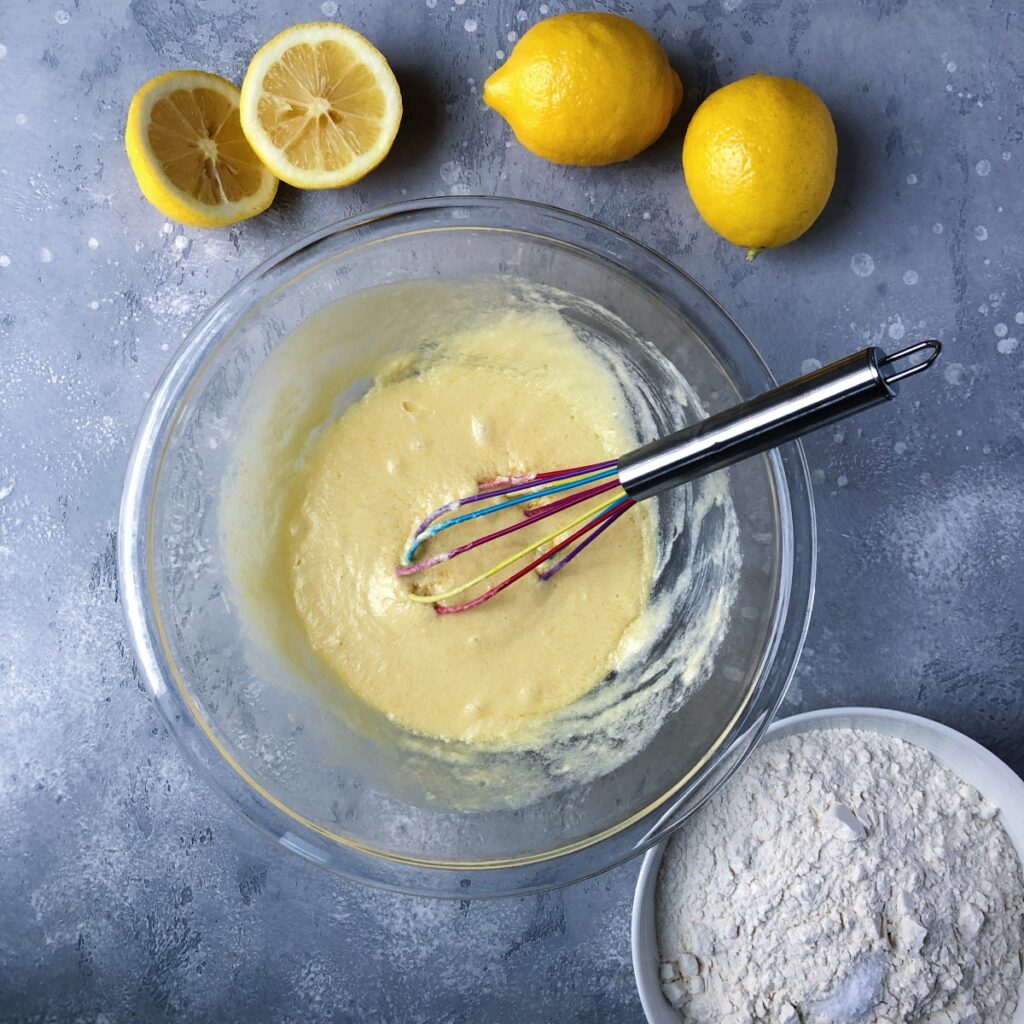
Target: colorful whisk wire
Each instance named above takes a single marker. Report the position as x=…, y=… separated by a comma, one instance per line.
x=596, y=481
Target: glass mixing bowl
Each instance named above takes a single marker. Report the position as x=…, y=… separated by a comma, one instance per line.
x=275, y=752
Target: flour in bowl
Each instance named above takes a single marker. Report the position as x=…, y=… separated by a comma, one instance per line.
x=842, y=878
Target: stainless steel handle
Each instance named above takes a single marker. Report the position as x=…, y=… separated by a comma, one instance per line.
x=790, y=411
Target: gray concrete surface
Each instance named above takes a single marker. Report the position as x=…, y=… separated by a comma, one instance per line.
x=128, y=892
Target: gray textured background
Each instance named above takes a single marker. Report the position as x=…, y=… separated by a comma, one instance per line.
x=127, y=890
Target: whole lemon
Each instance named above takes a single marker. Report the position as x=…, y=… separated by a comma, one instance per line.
x=760, y=160
x=586, y=89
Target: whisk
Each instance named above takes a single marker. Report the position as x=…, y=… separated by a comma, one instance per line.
x=613, y=487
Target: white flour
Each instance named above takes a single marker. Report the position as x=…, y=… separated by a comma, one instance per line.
x=842, y=877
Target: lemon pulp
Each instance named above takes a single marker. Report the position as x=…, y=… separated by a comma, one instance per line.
x=197, y=138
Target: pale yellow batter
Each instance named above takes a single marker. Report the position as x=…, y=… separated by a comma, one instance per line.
x=519, y=392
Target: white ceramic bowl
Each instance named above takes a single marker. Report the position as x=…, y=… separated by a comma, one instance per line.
x=968, y=760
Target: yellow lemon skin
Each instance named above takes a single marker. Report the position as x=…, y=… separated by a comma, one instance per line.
x=760, y=160
x=586, y=89
x=185, y=144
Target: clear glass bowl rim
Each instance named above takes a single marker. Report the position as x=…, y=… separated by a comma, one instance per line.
x=456, y=879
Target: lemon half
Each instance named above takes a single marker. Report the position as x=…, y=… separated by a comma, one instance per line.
x=186, y=147
x=320, y=105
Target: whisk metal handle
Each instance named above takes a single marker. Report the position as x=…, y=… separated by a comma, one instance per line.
x=813, y=401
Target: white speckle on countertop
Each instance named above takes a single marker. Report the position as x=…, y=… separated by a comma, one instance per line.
x=1000, y=330
x=21, y=119
x=3, y=51
x=500, y=54
x=899, y=447
x=543, y=8
x=862, y=264
x=911, y=179
x=1007, y=346
x=911, y=277
x=955, y=374
x=1018, y=317
x=810, y=365
x=93, y=243
x=180, y=242
x=5, y=260
x=454, y=175
x=62, y=17
x=896, y=330
x=936, y=228
x=938, y=540
x=329, y=8
x=470, y=25
x=45, y=256
x=981, y=233
x=983, y=168
x=170, y=305
x=520, y=15
x=951, y=66
x=842, y=480
x=511, y=37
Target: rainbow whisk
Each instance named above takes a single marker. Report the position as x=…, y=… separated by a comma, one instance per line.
x=597, y=481
x=610, y=489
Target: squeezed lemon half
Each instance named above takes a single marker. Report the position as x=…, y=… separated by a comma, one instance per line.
x=190, y=157
x=320, y=105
